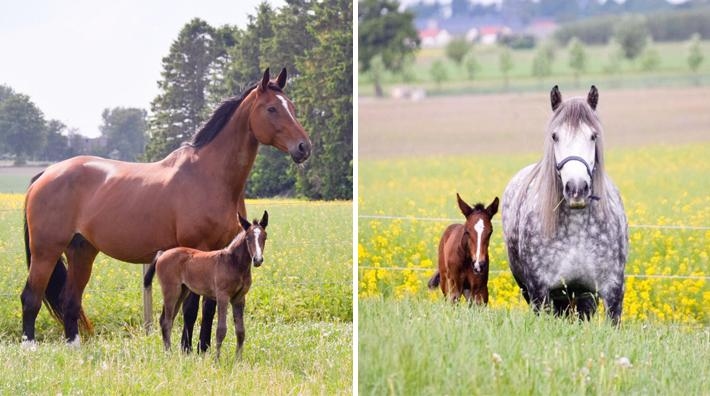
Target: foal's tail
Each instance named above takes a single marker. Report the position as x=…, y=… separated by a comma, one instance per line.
x=55, y=286
x=150, y=273
x=434, y=281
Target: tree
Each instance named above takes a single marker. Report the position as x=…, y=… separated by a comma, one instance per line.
x=631, y=33
x=505, y=64
x=695, y=54
x=577, y=58
x=56, y=147
x=247, y=55
x=181, y=106
x=125, y=132
x=22, y=127
x=650, y=59
x=324, y=93
x=457, y=49
x=438, y=72
x=384, y=30
x=541, y=66
x=471, y=65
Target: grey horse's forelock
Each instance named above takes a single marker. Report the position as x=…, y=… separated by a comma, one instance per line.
x=544, y=179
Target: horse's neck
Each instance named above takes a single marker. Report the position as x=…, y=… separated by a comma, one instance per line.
x=228, y=158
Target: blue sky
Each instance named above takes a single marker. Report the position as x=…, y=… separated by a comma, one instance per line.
x=76, y=58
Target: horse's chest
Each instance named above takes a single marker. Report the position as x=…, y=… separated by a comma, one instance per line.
x=579, y=253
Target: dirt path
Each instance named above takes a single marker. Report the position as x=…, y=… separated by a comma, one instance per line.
x=515, y=123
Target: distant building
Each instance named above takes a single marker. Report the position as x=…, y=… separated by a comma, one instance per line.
x=489, y=35
x=434, y=37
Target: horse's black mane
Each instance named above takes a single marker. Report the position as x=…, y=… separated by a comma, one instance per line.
x=211, y=128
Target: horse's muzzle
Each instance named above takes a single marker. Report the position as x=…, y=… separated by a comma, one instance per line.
x=301, y=152
x=257, y=261
x=577, y=193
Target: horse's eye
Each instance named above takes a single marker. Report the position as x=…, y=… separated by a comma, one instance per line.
x=554, y=137
x=272, y=109
x=594, y=137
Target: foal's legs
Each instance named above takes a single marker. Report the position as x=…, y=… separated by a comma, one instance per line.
x=80, y=257
x=189, y=313
x=238, y=304
x=222, y=307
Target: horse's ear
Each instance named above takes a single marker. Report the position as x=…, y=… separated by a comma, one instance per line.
x=264, y=220
x=465, y=208
x=281, y=80
x=243, y=222
x=593, y=97
x=265, y=80
x=492, y=209
x=555, y=98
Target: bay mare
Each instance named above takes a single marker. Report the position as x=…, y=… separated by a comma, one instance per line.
x=129, y=211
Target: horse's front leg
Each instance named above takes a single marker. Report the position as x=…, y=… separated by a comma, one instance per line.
x=455, y=289
x=80, y=256
x=613, y=301
x=238, y=304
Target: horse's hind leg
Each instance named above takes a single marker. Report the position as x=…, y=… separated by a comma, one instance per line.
x=80, y=256
x=41, y=268
x=189, y=313
x=208, y=310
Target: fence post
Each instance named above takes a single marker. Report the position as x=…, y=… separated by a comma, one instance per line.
x=147, y=303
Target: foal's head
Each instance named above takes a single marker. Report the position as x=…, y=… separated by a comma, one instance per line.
x=273, y=119
x=255, y=237
x=477, y=231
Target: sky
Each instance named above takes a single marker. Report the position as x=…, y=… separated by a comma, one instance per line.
x=76, y=58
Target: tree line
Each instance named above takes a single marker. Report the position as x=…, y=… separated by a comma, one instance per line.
x=206, y=64
x=25, y=133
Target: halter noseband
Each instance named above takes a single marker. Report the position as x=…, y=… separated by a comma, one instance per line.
x=562, y=163
x=590, y=170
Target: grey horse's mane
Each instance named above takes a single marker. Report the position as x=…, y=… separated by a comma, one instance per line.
x=544, y=180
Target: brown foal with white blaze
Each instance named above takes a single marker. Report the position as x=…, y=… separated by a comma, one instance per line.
x=223, y=275
x=463, y=254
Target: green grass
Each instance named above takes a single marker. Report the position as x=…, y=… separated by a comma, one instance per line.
x=672, y=71
x=414, y=347
x=298, y=318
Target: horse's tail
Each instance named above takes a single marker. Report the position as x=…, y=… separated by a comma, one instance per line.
x=55, y=286
x=434, y=281
x=148, y=277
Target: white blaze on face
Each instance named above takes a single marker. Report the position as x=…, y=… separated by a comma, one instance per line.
x=479, y=227
x=578, y=143
x=284, y=103
x=257, y=246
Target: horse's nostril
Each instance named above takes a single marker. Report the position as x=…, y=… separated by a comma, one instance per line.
x=302, y=147
x=568, y=187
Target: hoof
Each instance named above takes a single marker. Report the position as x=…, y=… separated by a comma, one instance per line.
x=75, y=343
x=28, y=345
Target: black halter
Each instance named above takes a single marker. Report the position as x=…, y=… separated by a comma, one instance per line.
x=590, y=171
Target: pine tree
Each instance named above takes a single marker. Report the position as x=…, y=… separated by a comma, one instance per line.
x=324, y=97
x=180, y=107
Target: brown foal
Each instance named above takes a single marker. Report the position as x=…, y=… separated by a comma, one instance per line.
x=463, y=254
x=223, y=275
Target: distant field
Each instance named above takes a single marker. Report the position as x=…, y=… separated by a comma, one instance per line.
x=515, y=123
x=16, y=179
x=298, y=318
x=672, y=71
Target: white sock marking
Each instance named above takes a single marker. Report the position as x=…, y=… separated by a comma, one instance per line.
x=76, y=342
x=285, y=105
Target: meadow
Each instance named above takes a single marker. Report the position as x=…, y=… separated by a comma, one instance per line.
x=672, y=70
x=298, y=319
x=410, y=341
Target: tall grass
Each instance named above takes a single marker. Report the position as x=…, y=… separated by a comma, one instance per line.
x=419, y=347
x=298, y=319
